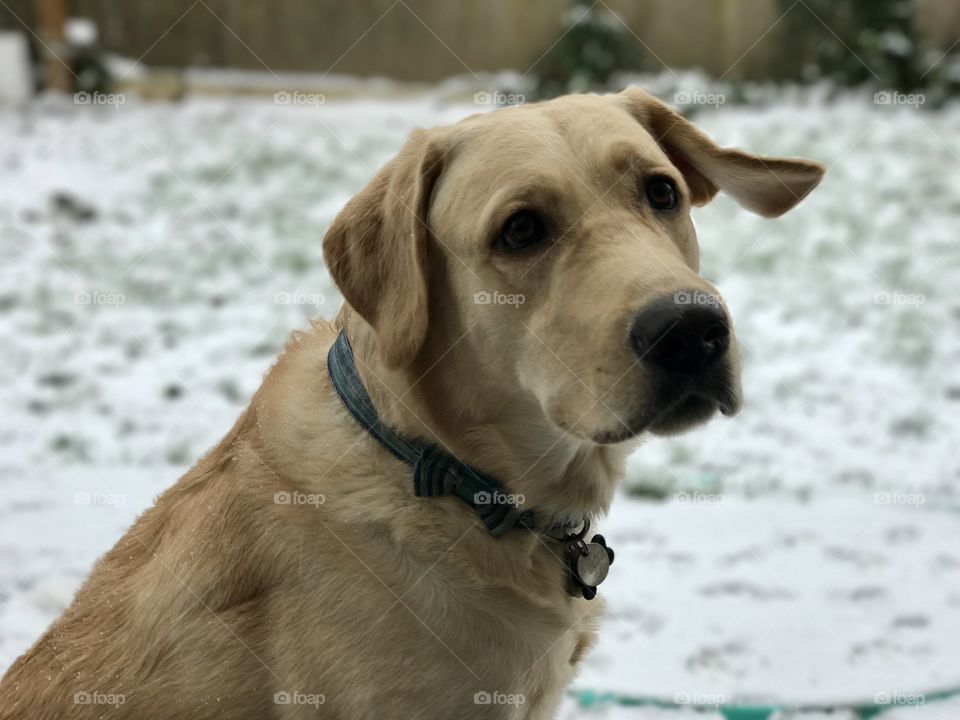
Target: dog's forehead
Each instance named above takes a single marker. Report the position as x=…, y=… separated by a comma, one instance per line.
x=584, y=129
x=588, y=136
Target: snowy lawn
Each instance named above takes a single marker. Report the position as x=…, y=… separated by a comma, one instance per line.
x=153, y=258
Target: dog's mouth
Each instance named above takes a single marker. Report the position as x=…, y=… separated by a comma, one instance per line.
x=689, y=412
x=685, y=410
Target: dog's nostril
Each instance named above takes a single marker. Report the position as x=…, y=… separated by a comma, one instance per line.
x=682, y=338
x=715, y=341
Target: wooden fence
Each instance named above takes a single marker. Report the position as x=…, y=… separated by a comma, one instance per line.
x=434, y=39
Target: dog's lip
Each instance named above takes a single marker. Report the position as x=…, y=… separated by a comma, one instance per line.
x=700, y=405
x=729, y=401
x=725, y=398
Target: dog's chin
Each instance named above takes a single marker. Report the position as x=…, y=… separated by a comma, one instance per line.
x=677, y=417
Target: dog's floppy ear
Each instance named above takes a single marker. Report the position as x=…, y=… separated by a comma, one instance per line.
x=767, y=186
x=376, y=249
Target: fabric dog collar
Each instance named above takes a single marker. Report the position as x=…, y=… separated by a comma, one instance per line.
x=437, y=472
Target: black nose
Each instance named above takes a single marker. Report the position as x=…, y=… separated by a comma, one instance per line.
x=684, y=333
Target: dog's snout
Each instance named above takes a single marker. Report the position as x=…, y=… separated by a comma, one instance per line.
x=683, y=333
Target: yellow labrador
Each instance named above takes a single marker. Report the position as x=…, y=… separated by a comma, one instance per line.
x=522, y=304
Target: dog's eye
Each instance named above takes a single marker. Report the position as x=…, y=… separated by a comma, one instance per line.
x=522, y=229
x=662, y=193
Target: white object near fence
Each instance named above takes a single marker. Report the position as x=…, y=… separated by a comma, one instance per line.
x=16, y=75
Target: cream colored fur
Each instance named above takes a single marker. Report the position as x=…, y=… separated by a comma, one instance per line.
x=385, y=605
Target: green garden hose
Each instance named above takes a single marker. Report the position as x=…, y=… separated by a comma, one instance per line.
x=862, y=710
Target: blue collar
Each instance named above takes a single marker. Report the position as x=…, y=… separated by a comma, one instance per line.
x=435, y=472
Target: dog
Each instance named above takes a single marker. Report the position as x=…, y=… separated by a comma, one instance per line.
x=523, y=304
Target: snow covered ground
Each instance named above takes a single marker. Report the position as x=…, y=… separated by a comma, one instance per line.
x=153, y=258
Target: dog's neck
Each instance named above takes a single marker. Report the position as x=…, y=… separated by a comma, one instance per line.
x=506, y=435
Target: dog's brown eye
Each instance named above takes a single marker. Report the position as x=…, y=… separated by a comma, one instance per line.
x=662, y=193
x=522, y=230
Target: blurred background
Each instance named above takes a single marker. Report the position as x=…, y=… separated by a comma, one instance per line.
x=167, y=172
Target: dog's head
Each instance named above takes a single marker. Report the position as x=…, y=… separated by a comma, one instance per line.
x=553, y=245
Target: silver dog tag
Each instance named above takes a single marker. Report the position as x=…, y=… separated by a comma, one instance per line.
x=588, y=562
x=593, y=564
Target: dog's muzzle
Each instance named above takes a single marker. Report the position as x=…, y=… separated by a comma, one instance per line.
x=685, y=340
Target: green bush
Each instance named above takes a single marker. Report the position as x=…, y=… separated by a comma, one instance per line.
x=857, y=42
x=593, y=45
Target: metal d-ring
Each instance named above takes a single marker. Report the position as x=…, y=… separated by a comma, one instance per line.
x=577, y=537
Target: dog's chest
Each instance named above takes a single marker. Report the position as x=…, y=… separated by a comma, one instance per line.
x=425, y=644
x=506, y=651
